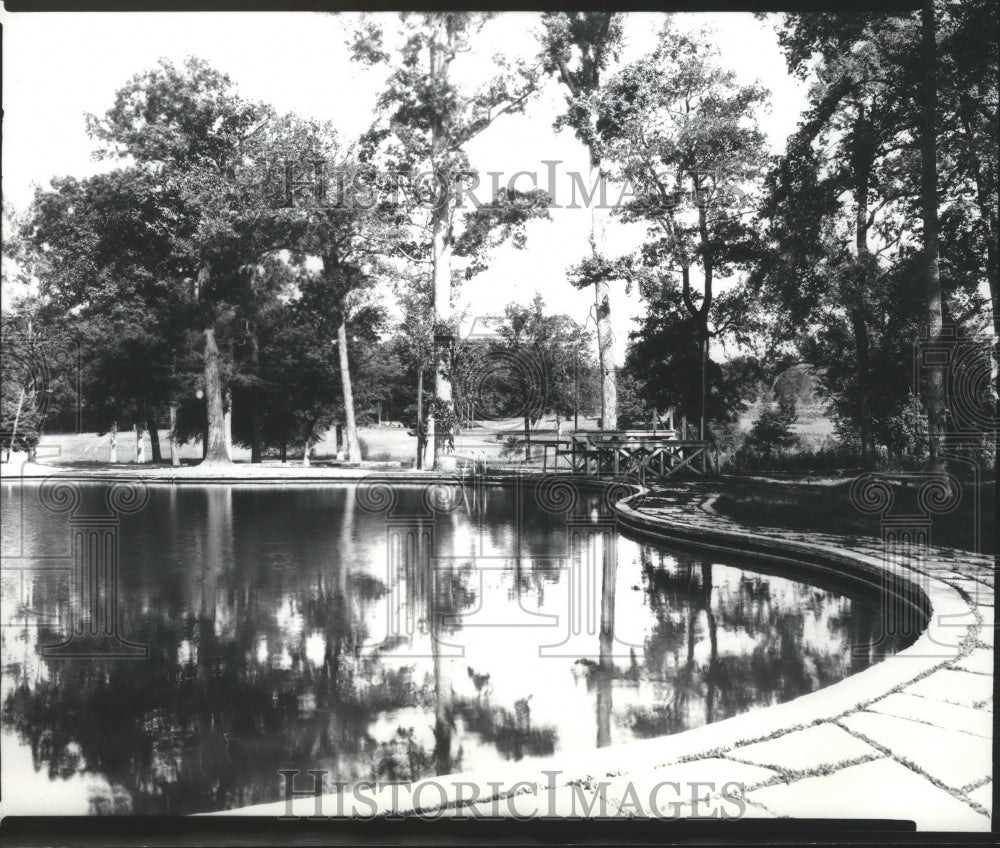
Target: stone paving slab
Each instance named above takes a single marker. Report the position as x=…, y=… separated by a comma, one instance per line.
x=983, y=796
x=881, y=789
x=976, y=722
x=980, y=661
x=660, y=790
x=954, y=687
x=953, y=758
x=752, y=811
x=817, y=747
x=971, y=585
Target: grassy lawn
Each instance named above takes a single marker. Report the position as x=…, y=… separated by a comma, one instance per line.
x=824, y=506
x=381, y=444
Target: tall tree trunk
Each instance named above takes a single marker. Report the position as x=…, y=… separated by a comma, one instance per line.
x=865, y=421
x=934, y=387
x=254, y=399
x=988, y=211
x=421, y=431
x=216, y=452
x=606, y=358
x=863, y=152
x=154, y=437
x=17, y=419
x=20, y=406
x=175, y=458
x=708, y=260
x=441, y=241
x=602, y=302
x=227, y=418
x=255, y=435
x=442, y=318
x=699, y=314
x=140, y=447
x=353, y=443
x=703, y=405
x=987, y=207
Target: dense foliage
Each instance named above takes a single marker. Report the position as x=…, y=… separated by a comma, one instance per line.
x=189, y=285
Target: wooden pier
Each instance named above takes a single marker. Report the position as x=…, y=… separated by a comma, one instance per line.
x=637, y=454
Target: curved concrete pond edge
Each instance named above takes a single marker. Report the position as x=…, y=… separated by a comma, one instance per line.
x=908, y=738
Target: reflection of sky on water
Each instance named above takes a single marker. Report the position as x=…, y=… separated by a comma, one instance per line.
x=289, y=628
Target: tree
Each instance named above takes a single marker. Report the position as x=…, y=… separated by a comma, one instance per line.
x=772, y=431
x=304, y=394
x=968, y=96
x=432, y=118
x=528, y=371
x=97, y=248
x=665, y=365
x=191, y=138
x=414, y=343
x=968, y=33
x=24, y=378
x=285, y=366
x=869, y=135
x=353, y=237
x=131, y=373
x=854, y=111
x=23, y=386
x=683, y=133
x=929, y=218
x=577, y=47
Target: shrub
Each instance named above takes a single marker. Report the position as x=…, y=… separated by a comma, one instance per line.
x=828, y=459
x=772, y=431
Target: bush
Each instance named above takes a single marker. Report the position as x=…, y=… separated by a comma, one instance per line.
x=827, y=459
x=769, y=438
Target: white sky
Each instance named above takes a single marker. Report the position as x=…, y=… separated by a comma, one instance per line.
x=57, y=67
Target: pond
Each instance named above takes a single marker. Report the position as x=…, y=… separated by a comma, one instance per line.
x=376, y=633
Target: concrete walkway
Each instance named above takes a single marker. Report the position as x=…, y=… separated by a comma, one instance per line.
x=909, y=738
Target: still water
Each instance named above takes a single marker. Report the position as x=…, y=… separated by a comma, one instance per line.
x=386, y=634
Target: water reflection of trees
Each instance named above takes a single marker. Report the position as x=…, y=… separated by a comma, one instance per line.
x=266, y=662
x=227, y=697
x=769, y=658
x=253, y=667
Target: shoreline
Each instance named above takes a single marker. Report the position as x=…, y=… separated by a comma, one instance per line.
x=894, y=719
